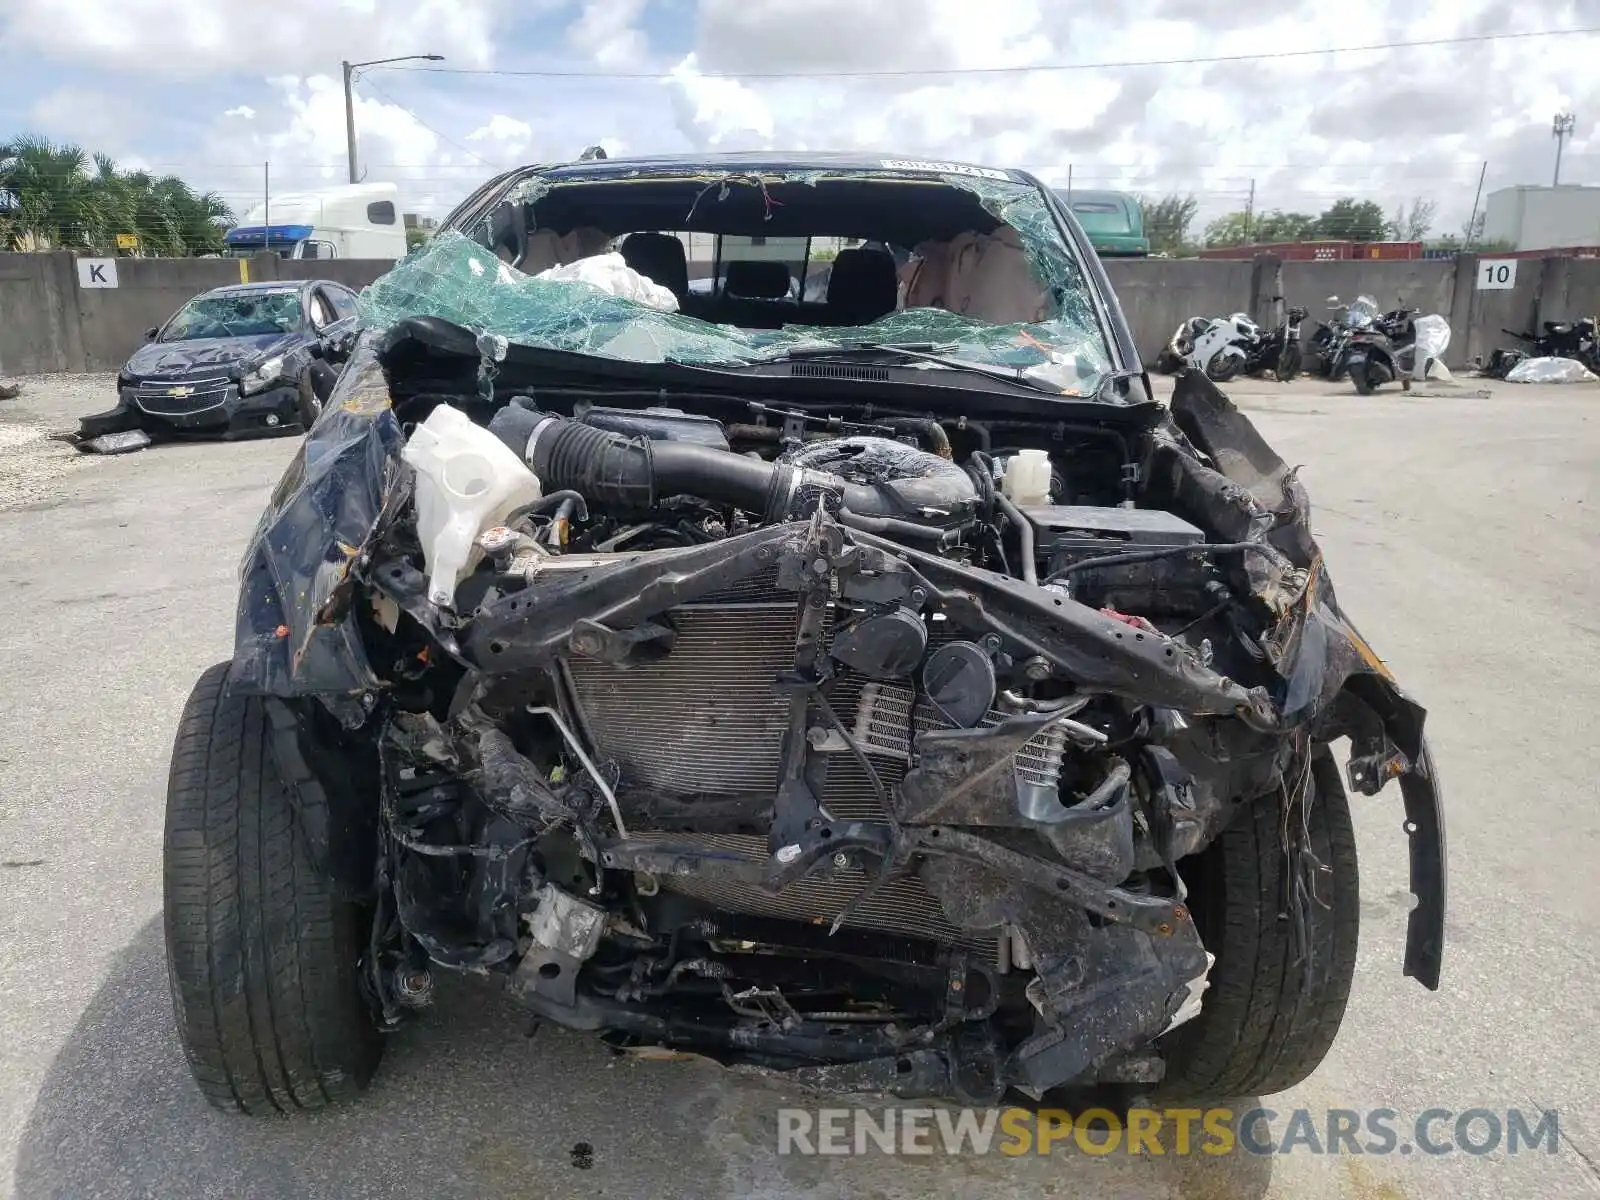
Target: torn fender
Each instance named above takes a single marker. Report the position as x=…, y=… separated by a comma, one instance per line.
x=1335, y=683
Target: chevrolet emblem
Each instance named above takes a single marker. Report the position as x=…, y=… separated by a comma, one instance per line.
x=180, y=392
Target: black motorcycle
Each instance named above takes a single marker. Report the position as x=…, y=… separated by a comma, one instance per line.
x=1279, y=351
x=1384, y=351
x=1331, y=339
x=1561, y=339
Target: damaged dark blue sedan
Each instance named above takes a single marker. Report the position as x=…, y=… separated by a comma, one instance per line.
x=252, y=359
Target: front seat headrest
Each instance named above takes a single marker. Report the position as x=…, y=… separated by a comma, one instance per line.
x=660, y=258
x=755, y=279
x=862, y=287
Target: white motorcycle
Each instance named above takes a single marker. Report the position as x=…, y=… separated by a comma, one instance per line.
x=1219, y=346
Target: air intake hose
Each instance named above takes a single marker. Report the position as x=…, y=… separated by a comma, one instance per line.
x=609, y=469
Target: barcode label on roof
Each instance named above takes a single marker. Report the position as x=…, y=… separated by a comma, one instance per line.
x=942, y=168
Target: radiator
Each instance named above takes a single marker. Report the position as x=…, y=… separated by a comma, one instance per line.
x=708, y=720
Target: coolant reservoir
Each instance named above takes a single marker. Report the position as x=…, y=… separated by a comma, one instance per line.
x=468, y=480
x=1027, y=478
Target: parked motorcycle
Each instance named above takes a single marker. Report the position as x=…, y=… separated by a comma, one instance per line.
x=1218, y=346
x=1561, y=339
x=1279, y=352
x=1224, y=347
x=1331, y=339
x=1396, y=345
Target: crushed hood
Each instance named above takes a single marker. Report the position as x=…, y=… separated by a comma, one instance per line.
x=174, y=358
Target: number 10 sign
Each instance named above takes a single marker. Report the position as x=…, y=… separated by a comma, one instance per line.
x=1497, y=274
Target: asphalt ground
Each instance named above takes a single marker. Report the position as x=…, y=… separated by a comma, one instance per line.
x=1463, y=533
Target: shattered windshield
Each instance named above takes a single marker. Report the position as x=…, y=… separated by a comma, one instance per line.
x=242, y=314
x=994, y=285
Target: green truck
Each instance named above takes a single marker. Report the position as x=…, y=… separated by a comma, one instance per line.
x=1112, y=220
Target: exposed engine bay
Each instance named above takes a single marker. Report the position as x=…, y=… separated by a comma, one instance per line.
x=825, y=736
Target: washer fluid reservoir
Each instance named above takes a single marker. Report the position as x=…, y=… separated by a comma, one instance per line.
x=468, y=480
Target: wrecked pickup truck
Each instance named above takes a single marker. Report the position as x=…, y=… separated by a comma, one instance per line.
x=880, y=686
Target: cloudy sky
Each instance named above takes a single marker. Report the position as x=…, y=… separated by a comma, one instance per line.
x=212, y=90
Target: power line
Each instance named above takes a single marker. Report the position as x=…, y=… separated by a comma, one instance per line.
x=1014, y=70
x=446, y=140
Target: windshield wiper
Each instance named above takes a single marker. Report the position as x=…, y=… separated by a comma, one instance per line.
x=920, y=352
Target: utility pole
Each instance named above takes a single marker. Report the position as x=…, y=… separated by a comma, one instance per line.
x=349, y=119
x=350, y=70
x=1561, y=130
x=266, y=204
x=1069, y=183
x=1472, y=221
x=1250, y=215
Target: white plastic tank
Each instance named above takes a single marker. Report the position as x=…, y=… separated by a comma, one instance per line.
x=468, y=480
x=1027, y=478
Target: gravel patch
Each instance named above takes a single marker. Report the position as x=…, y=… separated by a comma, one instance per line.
x=32, y=462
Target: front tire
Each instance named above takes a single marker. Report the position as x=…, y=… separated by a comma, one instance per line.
x=262, y=956
x=1288, y=364
x=309, y=407
x=1267, y=1020
x=1223, y=367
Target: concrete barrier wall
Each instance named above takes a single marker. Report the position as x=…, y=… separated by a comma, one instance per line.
x=1158, y=293
x=38, y=314
x=352, y=272
x=1571, y=289
x=48, y=323
x=113, y=321
x=1422, y=283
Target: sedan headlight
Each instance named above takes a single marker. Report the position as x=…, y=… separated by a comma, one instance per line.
x=264, y=376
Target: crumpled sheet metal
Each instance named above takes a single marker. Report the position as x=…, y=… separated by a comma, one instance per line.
x=457, y=279
x=319, y=520
x=1315, y=647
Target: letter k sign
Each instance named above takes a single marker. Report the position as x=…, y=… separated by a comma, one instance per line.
x=97, y=272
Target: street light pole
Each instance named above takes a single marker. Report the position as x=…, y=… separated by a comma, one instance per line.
x=350, y=120
x=1561, y=130
x=350, y=70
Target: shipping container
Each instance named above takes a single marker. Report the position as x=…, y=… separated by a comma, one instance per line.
x=1330, y=250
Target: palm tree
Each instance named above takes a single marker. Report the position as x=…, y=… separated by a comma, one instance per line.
x=194, y=223
x=48, y=195
x=50, y=198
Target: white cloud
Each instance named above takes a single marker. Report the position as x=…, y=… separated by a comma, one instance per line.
x=510, y=135
x=713, y=112
x=314, y=136
x=166, y=37
x=604, y=32
x=843, y=35
x=1305, y=130
x=81, y=115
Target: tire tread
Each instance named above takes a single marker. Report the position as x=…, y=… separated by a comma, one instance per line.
x=262, y=956
x=1267, y=1021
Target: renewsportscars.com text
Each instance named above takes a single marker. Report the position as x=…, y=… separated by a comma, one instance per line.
x=1175, y=1131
